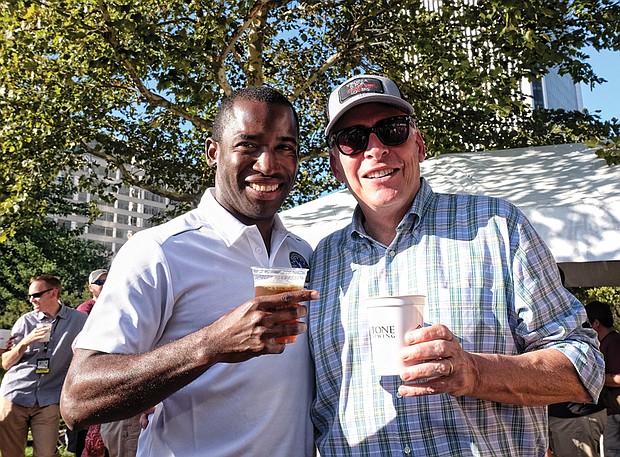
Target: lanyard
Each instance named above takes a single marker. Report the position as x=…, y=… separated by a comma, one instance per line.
x=43, y=363
x=54, y=325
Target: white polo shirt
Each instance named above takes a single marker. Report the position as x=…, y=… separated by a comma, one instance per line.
x=172, y=280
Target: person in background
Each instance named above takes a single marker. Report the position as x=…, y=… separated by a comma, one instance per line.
x=9, y=345
x=96, y=280
x=36, y=369
x=601, y=318
x=111, y=439
x=502, y=338
x=177, y=324
x=88, y=442
x=576, y=429
x=120, y=438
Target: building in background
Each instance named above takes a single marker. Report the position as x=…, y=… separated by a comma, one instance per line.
x=554, y=91
x=129, y=213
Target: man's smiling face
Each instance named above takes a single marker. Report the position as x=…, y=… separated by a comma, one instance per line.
x=381, y=177
x=256, y=160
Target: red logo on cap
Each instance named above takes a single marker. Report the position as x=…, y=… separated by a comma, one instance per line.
x=360, y=86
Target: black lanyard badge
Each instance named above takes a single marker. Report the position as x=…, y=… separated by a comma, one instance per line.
x=43, y=366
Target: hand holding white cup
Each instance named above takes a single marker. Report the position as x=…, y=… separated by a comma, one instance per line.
x=48, y=332
x=389, y=319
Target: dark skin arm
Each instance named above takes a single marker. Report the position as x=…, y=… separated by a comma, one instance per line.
x=104, y=387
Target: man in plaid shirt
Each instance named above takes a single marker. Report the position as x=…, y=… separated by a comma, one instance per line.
x=502, y=337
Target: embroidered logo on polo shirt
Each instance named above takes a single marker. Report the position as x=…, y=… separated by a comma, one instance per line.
x=297, y=260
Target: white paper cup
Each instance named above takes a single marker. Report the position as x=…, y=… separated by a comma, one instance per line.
x=48, y=334
x=4, y=338
x=389, y=319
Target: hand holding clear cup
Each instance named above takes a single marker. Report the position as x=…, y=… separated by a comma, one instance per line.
x=270, y=281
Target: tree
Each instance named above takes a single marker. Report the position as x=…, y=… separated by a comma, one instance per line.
x=46, y=249
x=137, y=83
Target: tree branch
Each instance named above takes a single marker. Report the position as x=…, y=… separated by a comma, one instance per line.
x=351, y=44
x=259, y=9
x=133, y=180
x=153, y=99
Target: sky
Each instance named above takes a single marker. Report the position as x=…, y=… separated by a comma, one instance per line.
x=606, y=96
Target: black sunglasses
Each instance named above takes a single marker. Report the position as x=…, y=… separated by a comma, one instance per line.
x=99, y=282
x=39, y=294
x=354, y=140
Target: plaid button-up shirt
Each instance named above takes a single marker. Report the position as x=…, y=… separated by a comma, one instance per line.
x=488, y=277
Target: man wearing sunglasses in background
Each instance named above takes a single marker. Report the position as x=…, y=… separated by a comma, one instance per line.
x=36, y=369
x=502, y=336
x=96, y=280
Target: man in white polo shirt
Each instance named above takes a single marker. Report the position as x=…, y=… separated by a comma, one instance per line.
x=182, y=329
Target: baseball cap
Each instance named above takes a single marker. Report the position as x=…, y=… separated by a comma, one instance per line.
x=94, y=275
x=363, y=89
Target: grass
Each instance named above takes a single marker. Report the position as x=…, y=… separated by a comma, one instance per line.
x=61, y=449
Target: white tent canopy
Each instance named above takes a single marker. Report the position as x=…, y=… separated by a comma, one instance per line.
x=569, y=194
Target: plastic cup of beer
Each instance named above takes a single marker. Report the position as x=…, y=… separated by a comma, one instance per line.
x=5, y=335
x=49, y=331
x=270, y=281
x=389, y=319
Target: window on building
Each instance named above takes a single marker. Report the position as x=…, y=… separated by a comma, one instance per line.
x=538, y=96
x=64, y=223
x=152, y=210
x=96, y=230
x=106, y=216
